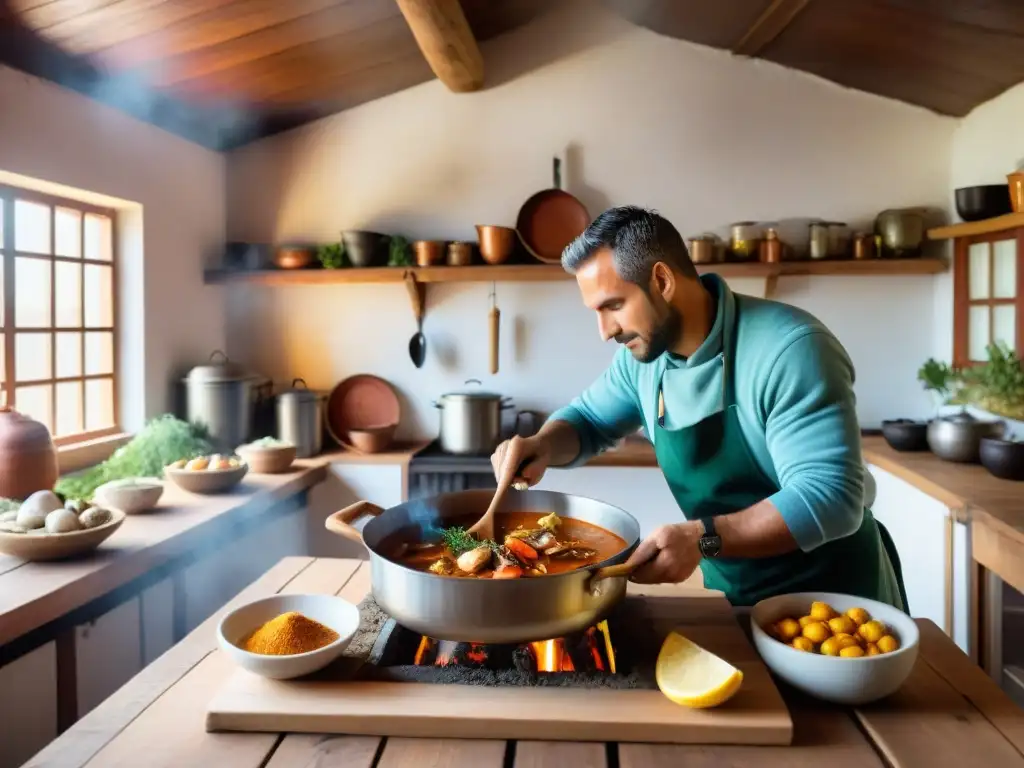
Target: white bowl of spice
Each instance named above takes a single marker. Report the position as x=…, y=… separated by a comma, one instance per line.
x=286, y=636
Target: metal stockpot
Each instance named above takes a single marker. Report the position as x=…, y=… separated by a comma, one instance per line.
x=300, y=419
x=220, y=397
x=487, y=610
x=471, y=421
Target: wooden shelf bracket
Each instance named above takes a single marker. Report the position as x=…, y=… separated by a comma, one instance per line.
x=417, y=296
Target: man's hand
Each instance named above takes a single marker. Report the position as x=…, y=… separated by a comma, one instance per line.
x=670, y=555
x=531, y=454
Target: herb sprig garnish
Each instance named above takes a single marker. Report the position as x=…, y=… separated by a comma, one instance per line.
x=458, y=540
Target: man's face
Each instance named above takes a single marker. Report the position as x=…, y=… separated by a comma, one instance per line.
x=646, y=323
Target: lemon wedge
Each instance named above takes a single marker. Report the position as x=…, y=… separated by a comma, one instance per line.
x=694, y=677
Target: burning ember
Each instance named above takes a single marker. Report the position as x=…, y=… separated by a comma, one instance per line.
x=589, y=651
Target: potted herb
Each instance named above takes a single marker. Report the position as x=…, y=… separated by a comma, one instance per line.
x=331, y=256
x=998, y=388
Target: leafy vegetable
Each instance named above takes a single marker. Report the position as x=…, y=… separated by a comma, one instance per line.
x=998, y=385
x=162, y=441
x=332, y=256
x=938, y=377
x=399, y=252
x=458, y=540
x=9, y=505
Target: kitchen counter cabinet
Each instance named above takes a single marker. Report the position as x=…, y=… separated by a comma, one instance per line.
x=28, y=705
x=949, y=713
x=933, y=551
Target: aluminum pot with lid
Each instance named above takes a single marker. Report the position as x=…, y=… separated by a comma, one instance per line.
x=300, y=419
x=220, y=397
x=471, y=421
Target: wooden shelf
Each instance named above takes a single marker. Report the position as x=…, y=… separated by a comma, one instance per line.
x=983, y=227
x=554, y=272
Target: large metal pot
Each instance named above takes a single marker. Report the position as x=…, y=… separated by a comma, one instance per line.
x=300, y=419
x=471, y=421
x=220, y=397
x=487, y=610
x=958, y=437
x=902, y=231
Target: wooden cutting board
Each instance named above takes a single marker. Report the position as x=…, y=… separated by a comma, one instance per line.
x=755, y=715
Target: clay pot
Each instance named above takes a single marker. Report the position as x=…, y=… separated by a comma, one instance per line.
x=28, y=457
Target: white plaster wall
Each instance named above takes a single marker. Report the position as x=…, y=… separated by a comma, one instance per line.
x=171, y=195
x=705, y=138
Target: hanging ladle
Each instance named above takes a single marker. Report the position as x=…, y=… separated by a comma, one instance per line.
x=418, y=343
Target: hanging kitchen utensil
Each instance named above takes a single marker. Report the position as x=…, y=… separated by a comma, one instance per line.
x=494, y=321
x=551, y=219
x=418, y=343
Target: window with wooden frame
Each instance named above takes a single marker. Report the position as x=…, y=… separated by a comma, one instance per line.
x=59, y=313
x=988, y=294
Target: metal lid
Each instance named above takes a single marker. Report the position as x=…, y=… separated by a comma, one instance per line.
x=473, y=395
x=218, y=371
x=302, y=394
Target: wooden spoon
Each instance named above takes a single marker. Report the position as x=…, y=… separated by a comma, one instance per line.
x=484, y=527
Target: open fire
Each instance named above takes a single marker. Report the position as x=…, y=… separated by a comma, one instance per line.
x=589, y=651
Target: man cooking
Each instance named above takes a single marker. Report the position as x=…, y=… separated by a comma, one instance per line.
x=751, y=409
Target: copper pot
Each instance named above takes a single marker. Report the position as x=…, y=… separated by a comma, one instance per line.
x=496, y=243
x=28, y=458
x=429, y=253
x=294, y=257
x=460, y=254
x=706, y=249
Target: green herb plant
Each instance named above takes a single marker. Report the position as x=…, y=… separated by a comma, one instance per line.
x=398, y=252
x=331, y=256
x=162, y=441
x=997, y=386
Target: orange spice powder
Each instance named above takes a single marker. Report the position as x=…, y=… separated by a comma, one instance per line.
x=288, y=634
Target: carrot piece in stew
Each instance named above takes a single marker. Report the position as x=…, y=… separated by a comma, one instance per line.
x=508, y=572
x=521, y=549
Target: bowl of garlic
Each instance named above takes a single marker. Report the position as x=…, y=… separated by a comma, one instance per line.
x=207, y=474
x=43, y=528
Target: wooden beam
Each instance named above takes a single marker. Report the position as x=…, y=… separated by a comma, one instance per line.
x=769, y=25
x=447, y=42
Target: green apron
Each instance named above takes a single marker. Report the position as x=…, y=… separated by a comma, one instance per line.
x=710, y=470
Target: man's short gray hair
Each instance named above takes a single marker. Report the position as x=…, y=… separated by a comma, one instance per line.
x=638, y=239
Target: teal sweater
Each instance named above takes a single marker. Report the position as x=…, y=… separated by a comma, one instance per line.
x=794, y=392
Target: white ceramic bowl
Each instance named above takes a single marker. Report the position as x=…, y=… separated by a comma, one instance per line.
x=139, y=494
x=206, y=480
x=850, y=681
x=331, y=611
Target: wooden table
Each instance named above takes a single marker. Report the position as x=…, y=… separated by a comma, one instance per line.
x=949, y=713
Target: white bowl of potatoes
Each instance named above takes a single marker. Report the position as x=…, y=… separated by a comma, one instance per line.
x=839, y=648
x=207, y=474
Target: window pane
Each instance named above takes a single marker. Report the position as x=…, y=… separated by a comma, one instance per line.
x=98, y=237
x=1004, y=324
x=35, y=402
x=99, y=353
x=67, y=225
x=32, y=292
x=68, y=417
x=99, y=404
x=69, y=355
x=68, y=278
x=31, y=227
x=99, y=296
x=1004, y=273
x=977, y=271
x=31, y=356
x=977, y=333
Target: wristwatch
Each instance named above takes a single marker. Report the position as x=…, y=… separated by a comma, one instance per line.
x=710, y=542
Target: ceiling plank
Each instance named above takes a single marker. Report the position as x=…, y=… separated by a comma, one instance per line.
x=447, y=42
x=769, y=25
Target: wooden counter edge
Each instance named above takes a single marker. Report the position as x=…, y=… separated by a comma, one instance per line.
x=123, y=569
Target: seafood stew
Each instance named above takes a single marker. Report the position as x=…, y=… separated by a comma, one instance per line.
x=528, y=544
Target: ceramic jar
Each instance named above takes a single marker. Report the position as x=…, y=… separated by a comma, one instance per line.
x=28, y=457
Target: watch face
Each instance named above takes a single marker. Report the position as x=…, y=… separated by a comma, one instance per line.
x=710, y=545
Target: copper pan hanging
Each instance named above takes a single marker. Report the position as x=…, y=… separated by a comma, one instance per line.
x=551, y=219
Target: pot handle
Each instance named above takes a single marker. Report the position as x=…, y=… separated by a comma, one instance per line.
x=219, y=352
x=296, y=382
x=506, y=402
x=341, y=522
x=611, y=571
x=473, y=381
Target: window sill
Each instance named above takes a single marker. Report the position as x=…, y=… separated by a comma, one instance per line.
x=87, y=453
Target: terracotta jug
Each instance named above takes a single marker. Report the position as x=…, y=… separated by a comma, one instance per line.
x=28, y=457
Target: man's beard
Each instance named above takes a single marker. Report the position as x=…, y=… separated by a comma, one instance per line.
x=662, y=337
